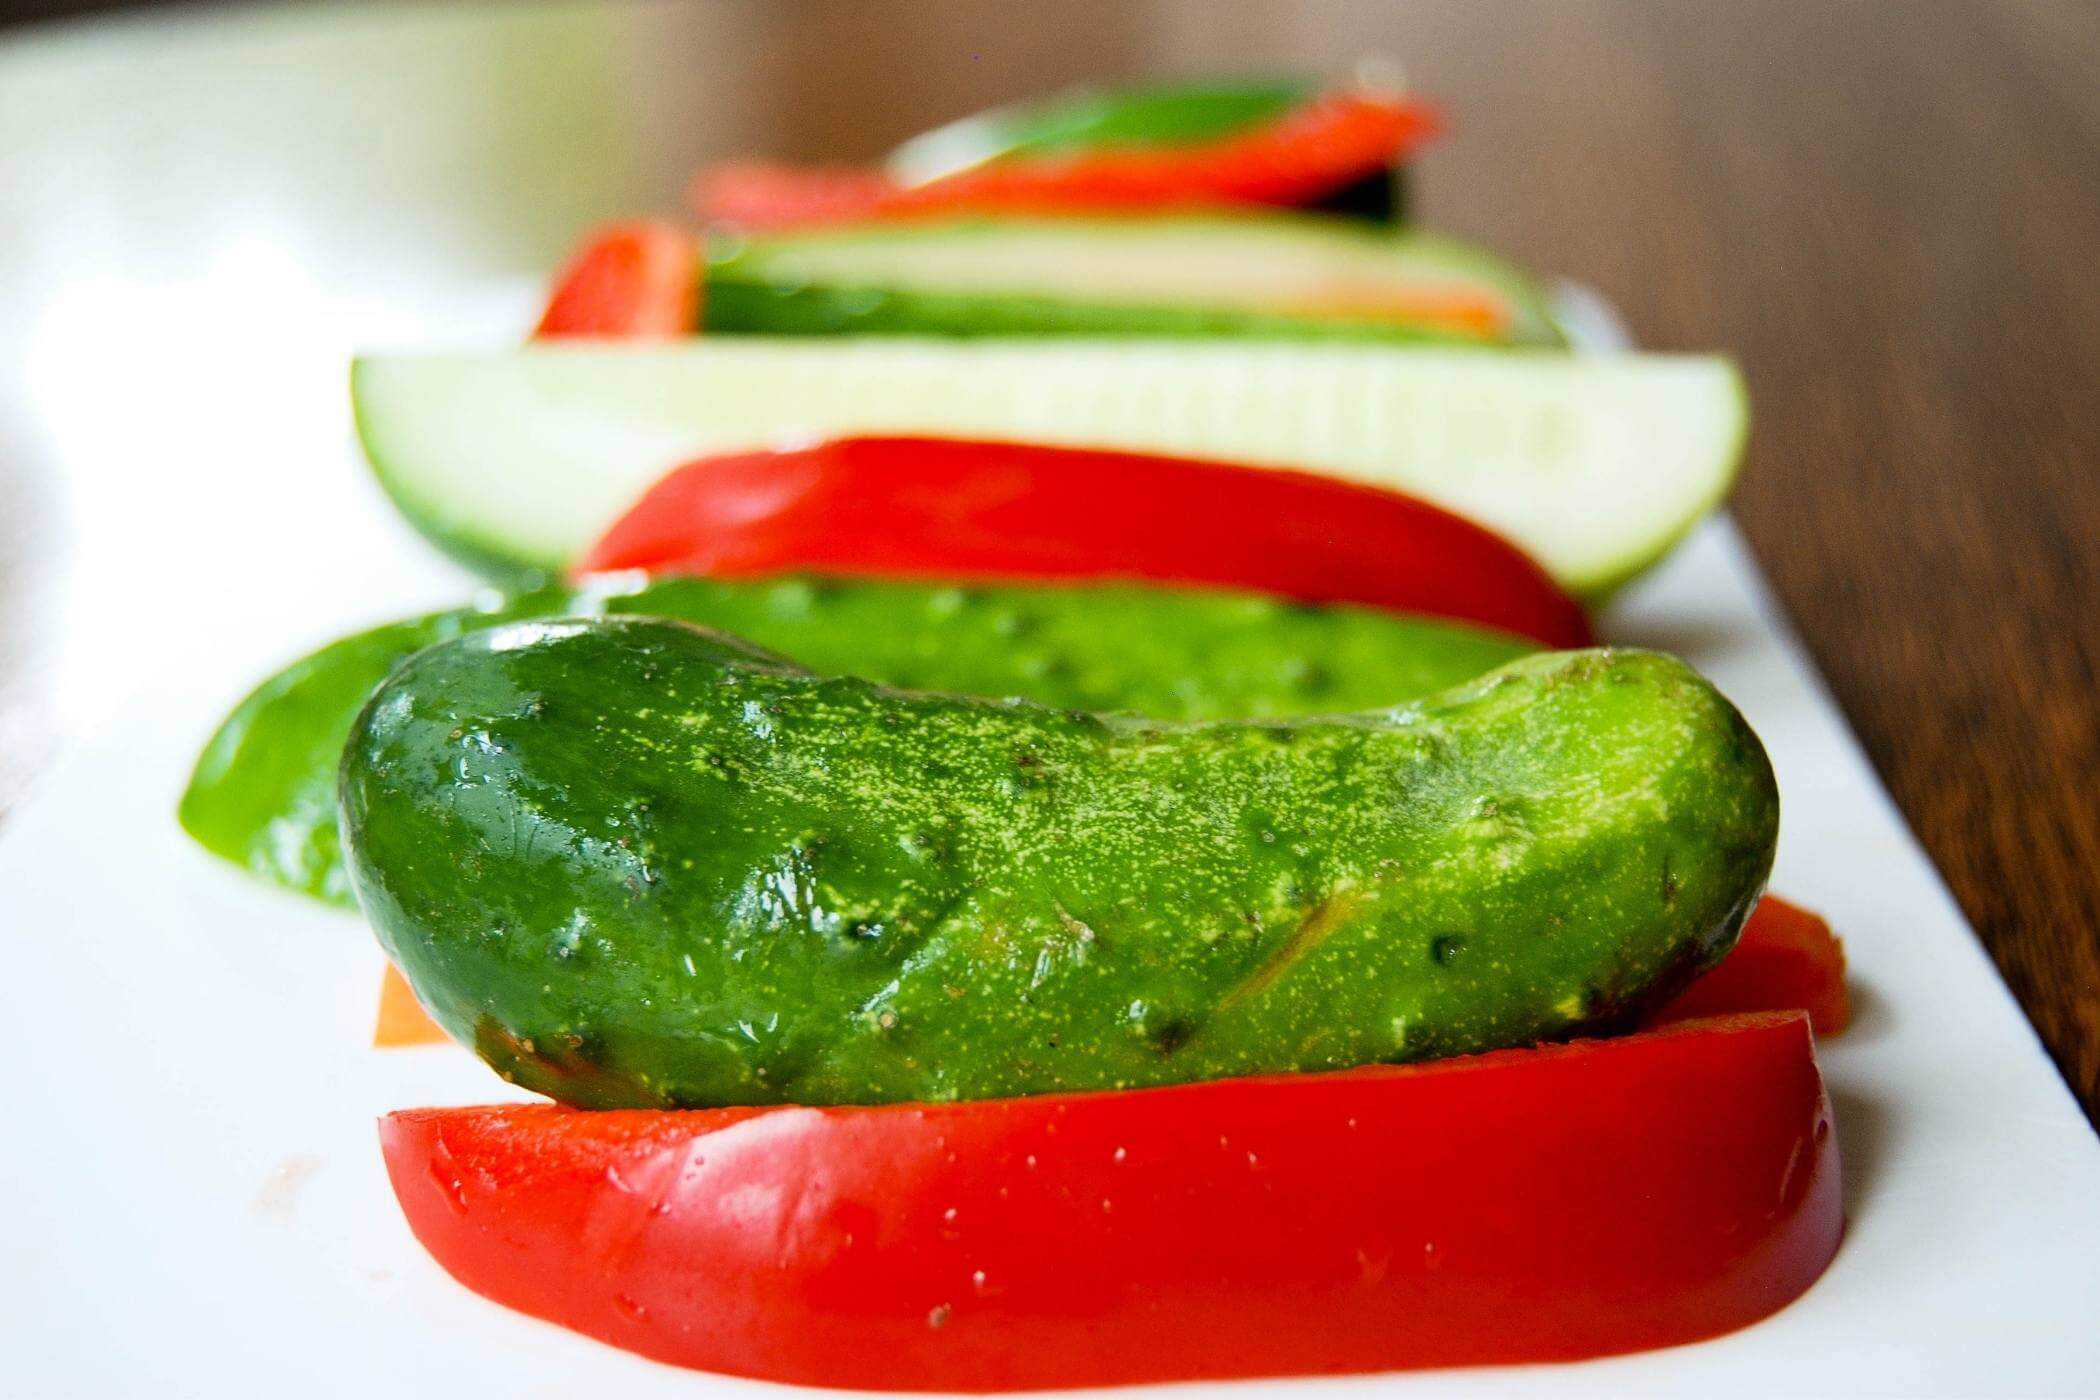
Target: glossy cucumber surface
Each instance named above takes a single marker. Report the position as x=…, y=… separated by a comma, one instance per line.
x=635, y=863
x=263, y=791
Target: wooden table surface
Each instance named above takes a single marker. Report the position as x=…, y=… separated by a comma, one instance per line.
x=1889, y=213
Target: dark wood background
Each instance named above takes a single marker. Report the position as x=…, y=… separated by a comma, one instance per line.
x=1889, y=212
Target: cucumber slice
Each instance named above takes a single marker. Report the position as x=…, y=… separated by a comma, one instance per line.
x=1276, y=276
x=1595, y=464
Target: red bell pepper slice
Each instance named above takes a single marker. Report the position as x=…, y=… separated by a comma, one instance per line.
x=637, y=280
x=1308, y=153
x=1532, y=1205
x=759, y=195
x=939, y=508
x=1787, y=956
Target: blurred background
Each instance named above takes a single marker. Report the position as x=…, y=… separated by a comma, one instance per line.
x=1890, y=214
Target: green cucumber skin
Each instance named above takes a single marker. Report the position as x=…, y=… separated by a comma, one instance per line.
x=736, y=306
x=634, y=863
x=263, y=792
x=756, y=288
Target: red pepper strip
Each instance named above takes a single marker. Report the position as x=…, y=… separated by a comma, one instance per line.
x=1787, y=956
x=636, y=280
x=759, y=195
x=939, y=508
x=1308, y=153
x=1532, y=1205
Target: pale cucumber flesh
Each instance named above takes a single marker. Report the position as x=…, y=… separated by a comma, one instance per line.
x=1594, y=464
x=1280, y=264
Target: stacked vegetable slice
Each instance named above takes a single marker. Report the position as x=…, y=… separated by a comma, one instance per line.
x=1101, y=422
x=1269, y=276
x=1593, y=465
x=1194, y=145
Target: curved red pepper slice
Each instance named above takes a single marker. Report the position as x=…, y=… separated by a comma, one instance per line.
x=637, y=281
x=1535, y=1205
x=1310, y=152
x=940, y=508
x=760, y=195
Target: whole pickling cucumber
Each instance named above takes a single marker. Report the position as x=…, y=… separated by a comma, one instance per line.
x=635, y=863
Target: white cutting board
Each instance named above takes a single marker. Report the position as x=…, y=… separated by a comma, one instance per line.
x=194, y=1198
